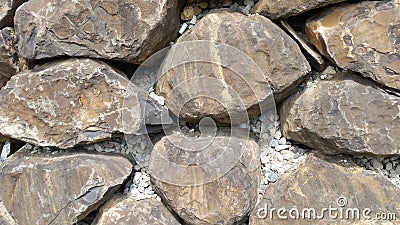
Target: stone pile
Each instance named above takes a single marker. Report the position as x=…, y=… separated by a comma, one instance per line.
x=253, y=112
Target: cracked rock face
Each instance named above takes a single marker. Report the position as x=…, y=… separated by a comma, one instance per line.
x=127, y=210
x=59, y=189
x=347, y=114
x=312, y=186
x=69, y=102
x=8, y=55
x=7, y=10
x=278, y=9
x=187, y=189
x=229, y=83
x=363, y=37
x=122, y=30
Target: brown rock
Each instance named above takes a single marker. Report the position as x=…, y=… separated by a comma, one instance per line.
x=5, y=218
x=70, y=102
x=124, y=30
x=328, y=183
x=239, y=85
x=206, y=183
x=124, y=210
x=189, y=11
x=278, y=9
x=8, y=55
x=362, y=37
x=7, y=10
x=59, y=189
x=345, y=114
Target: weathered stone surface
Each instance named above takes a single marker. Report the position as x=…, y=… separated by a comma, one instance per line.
x=256, y=42
x=345, y=114
x=278, y=9
x=206, y=183
x=70, y=102
x=124, y=210
x=59, y=189
x=363, y=37
x=5, y=218
x=123, y=30
x=7, y=10
x=8, y=55
x=328, y=183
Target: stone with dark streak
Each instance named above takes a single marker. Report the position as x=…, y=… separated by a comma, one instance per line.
x=7, y=11
x=58, y=188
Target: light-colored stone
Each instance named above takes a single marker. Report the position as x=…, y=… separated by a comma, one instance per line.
x=124, y=30
x=7, y=10
x=123, y=210
x=59, y=188
x=65, y=103
x=347, y=114
x=362, y=37
x=279, y=9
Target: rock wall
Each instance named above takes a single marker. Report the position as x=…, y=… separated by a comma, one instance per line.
x=199, y=112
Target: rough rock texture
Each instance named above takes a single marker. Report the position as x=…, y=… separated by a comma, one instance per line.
x=345, y=114
x=255, y=37
x=59, y=189
x=7, y=10
x=70, y=102
x=363, y=37
x=124, y=210
x=323, y=183
x=123, y=30
x=5, y=218
x=282, y=9
x=206, y=183
x=8, y=55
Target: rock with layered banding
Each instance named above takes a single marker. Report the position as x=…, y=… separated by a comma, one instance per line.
x=203, y=183
x=363, y=37
x=233, y=77
x=58, y=188
x=75, y=101
x=345, y=114
x=122, y=30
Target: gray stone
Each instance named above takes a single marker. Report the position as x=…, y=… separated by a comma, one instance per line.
x=65, y=103
x=9, y=61
x=7, y=10
x=124, y=30
x=346, y=114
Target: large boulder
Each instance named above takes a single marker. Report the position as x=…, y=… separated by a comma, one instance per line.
x=278, y=10
x=7, y=10
x=122, y=30
x=58, y=188
x=362, y=37
x=206, y=182
x=125, y=210
x=345, y=114
x=233, y=77
x=69, y=102
x=328, y=191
